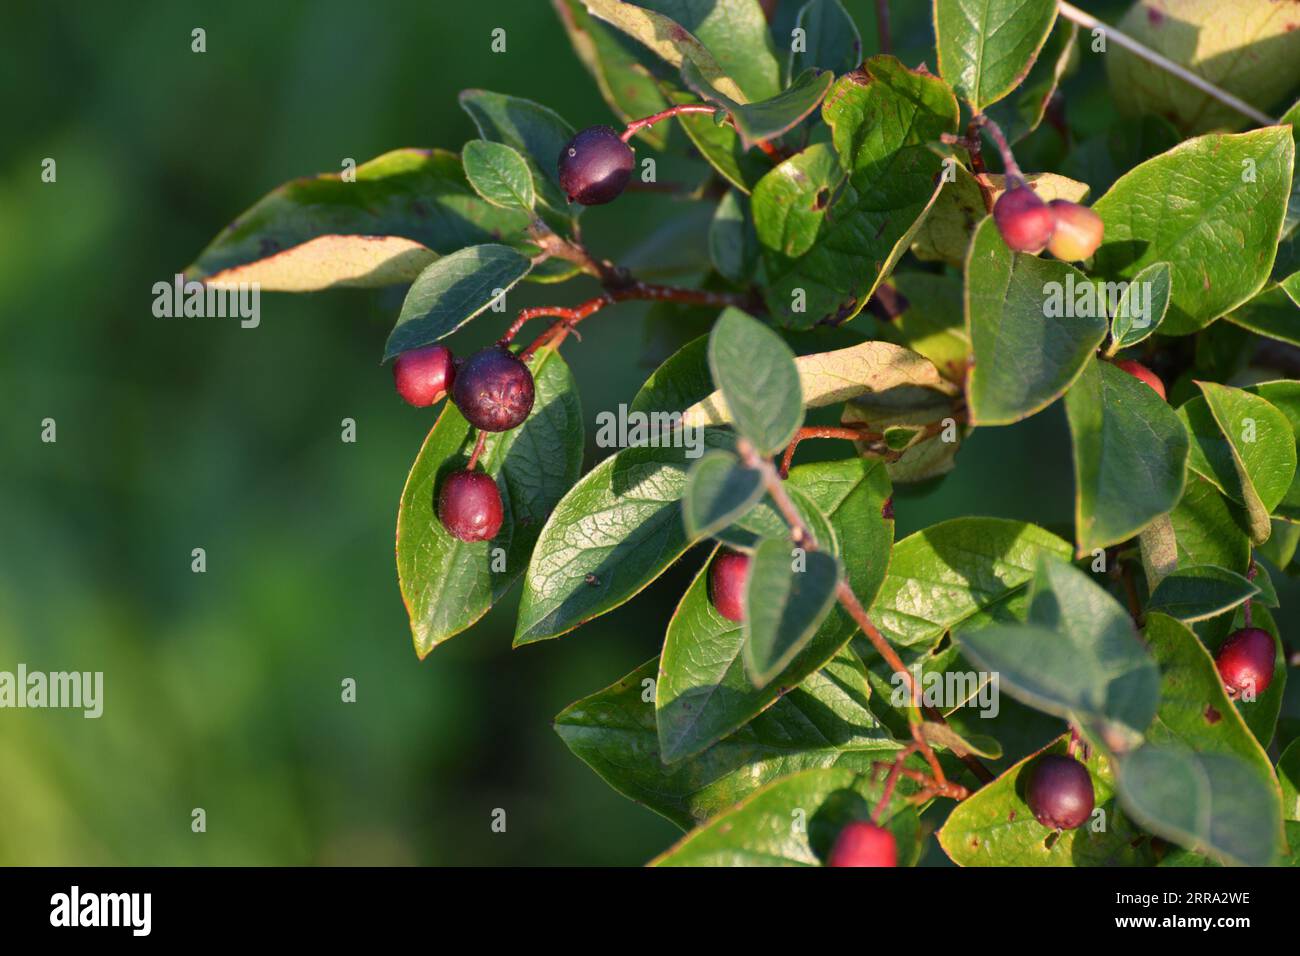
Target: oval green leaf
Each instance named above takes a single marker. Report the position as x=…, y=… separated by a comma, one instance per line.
x=755, y=370
x=1028, y=347
x=499, y=174
x=451, y=291
x=1130, y=455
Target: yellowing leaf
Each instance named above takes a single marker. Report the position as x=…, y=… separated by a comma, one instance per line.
x=830, y=377
x=331, y=262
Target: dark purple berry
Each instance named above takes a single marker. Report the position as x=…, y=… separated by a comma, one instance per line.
x=469, y=506
x=727, y=579
x=595, y=166
x=424, y=375
x=1060, y=792
x=1025, y=221
x=1246, y=660
x=493, y=390
x=864, y=844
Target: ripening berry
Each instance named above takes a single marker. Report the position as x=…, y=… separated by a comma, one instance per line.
x=727, y=580
x=864, y=844
x=1143, y=374
x=1060, y=792
x=424, y=375
x=1078, y=231
x=595, y=166
x=1246, y=660
x=1025, y=221
x=469, y=506
x=493, y=389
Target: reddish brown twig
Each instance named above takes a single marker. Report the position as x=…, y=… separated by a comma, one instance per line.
x=847, y=432
x=669, y=113
x=891, y=781
x=803, y=537
x=631, y=290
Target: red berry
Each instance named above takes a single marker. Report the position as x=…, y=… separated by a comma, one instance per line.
x=864, y=844
x=727, y=580
x=1142, y=373
x=493, y=390
x=1060, y=792
x=469, y=506
x=1078, y=231
x=1246, y=661
x=1025, y=221
x=595, y=166
x=424, y=375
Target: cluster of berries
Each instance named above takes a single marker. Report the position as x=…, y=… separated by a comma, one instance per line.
x=494, y=391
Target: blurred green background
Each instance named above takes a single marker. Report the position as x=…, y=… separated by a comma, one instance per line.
x=222, y=689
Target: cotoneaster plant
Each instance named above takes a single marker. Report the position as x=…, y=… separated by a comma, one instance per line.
x=879, y=259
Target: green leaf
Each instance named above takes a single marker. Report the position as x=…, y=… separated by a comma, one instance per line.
x=1028, y=350
x=1130, y=455
x=616, y=530
x=947, y=574
x=1246, y=47
x=538, y=133
x=1284, y=395
x=676, y=42
x=1078, y=657
x=625, y=84
x=828, y=378
x=794, y=821
x=1272, y=313
x=1243, y=445
x=1208, y=802
x=987, y=47
x=1142, y=306
x=832, y=224
x=1209, y=529
x=1021, y=114
x=1193, y=207
x=755, y=371
x=448, y=584
x=499, y=174
x=784, y=605
x=1101, y=159
x=995, y=827
x=703, y=692
x=451, y=291
x=719, y=489
x=831, y=39
x=1288, y=771
x=1199, y=592
x=822, y=722
x=733, y=246
x=405, y=208
x=769, y=118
